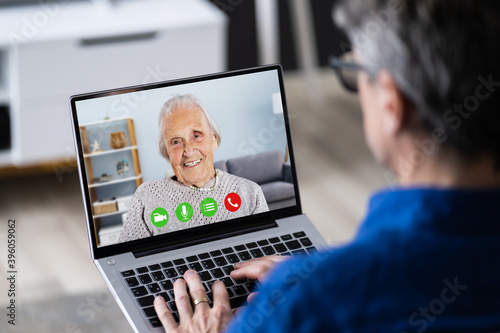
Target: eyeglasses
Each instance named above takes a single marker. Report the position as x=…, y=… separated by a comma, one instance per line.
x=346, y=70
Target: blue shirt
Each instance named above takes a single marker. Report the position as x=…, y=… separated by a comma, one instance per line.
x=423, y=260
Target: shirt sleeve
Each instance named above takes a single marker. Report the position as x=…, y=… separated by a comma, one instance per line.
x=134, y=227
x=280, y=304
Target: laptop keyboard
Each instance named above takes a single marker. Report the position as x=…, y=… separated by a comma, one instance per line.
x=149, y=281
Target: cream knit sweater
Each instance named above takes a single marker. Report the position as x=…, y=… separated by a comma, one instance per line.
x=168, y=194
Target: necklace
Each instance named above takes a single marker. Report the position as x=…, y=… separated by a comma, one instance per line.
x=194, y=187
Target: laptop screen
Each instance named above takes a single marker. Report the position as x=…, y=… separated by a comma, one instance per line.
x=167, y=157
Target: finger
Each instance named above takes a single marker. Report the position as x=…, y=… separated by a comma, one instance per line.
x=196, y=289
x=251, y=297
x=273, y=258
x=254, y=270
x=221, y=297
x=182, y=300
x=166, y=318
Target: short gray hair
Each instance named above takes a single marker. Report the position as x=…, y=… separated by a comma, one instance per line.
x=187, y=101
x=437, y=51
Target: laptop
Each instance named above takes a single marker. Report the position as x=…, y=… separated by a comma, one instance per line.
x=146, y=227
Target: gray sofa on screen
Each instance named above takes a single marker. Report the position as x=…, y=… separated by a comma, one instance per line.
x=269, y=171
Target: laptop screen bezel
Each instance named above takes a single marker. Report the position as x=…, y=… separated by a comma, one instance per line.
x=229, y=227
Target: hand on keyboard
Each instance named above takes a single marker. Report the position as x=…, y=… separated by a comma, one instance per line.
x=199, y=317
x=256, y=269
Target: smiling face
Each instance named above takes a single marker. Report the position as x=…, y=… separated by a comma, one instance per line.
x=190, y=144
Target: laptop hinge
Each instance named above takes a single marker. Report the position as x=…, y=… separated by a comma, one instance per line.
x=195, y=238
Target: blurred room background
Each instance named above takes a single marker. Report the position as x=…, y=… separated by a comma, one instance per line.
x=52, y=49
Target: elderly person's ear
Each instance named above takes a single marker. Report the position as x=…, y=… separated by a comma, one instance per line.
x=215, y=145
x=395, y=111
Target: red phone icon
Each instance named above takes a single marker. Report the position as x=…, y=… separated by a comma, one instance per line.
x=232, y=202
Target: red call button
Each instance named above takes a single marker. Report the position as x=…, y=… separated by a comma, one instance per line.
x=232, y=202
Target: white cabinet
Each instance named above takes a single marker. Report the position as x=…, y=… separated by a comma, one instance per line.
x=81, y=49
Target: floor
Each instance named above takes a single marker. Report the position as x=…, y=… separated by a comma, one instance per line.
x=336, y=175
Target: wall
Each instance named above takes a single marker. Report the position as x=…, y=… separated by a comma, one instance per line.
x=241, y=105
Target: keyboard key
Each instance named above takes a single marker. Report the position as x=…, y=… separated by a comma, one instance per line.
x=179, y=261
x=171, y=293
x=237, y=302
x=216, y=253
x=280, y=248
x=128, y=273
x=210, y=297
x=299, y=234
x=299, y=252
x=172, y=306
x=240, y=290
x=146, y=301
x=132, y=282
x=286, y=237
x=196, y=266
x=155, y=322
x=220, y=261
x=306, y=242
x=232, y=258
x=139, y=291
x=176, y=317
x=227, y=250
x=217, y=273
x=227, y=281
x=149, y=312
x=240, y=247
x=230, y=292
x=205, y=276
x=154, y=288
x=250, y=285
x=165, y=296
x=228, y=269
x=203, y=256
x=268, y=250
x=208, y=264
x=251, y=245
x=192, y=258
x=293, y=245
x=167, y=285
x=245, y=255
x=142, y=270
x=263, y=242
x=154, y=267
x=182, y=269
x=311, y=250
x=274, y=240
x=256, y=253
x=167, y=264
x=209, y=284
x=171, y=272
x=158, y=276
x=145, y=278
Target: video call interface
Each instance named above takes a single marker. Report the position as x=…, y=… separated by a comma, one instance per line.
x=185, y=155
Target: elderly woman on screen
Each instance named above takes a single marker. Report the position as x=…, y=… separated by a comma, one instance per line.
x=196, y=194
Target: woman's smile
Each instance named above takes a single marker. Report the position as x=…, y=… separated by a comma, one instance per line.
x=192, y=164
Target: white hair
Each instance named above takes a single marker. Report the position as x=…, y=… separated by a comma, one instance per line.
x=178, y=102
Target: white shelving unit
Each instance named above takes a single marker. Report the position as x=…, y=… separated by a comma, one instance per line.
x=132, y=152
